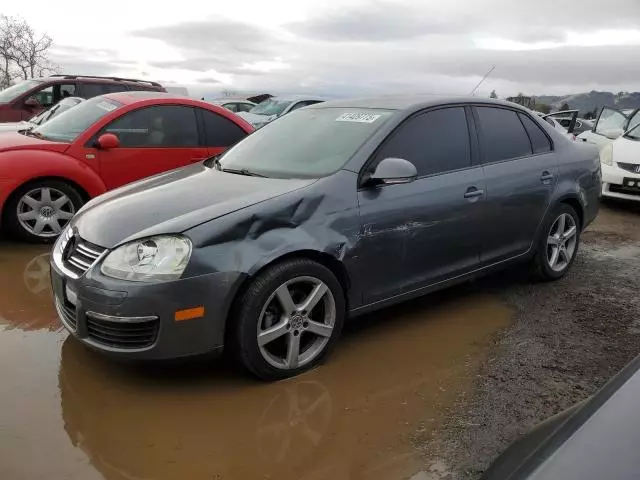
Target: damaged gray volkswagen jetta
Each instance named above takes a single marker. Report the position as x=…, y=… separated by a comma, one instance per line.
x=333, y=210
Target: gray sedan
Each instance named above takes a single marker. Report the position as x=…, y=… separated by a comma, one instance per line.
x=334, y=210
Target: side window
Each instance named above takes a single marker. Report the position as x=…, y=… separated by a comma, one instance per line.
x=233, y=107
x=113, y=88
x=539, y=141
x=220, y=131
x=44, y=97
x=635, y=120
x=502, y=135
x=435, y=142
x=244, y=107
x=160, y=126
x=90, y=90
x=611, y=123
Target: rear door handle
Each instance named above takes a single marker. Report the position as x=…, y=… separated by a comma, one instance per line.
x=546, y=177
x=473, y=192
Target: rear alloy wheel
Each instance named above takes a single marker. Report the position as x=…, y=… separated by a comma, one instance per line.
x=290, y=317
x=39, y=212
x=559, y=244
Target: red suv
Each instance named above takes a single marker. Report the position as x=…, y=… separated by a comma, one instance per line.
x=47, y=173
x=24, y=100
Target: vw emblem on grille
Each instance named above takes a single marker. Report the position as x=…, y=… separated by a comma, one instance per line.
x=69, y=249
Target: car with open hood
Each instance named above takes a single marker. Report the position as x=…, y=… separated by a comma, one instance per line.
x=331, y=211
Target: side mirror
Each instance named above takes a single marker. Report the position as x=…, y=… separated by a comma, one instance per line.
x=31, y=103
x=613, y=133
x=391, y=171
x=107, y=141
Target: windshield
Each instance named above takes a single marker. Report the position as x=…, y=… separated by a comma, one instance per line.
x=270, y=107
x=634, y=133
x=325, y=140
x=11, y=93
x=57, y=109
x=67, y=126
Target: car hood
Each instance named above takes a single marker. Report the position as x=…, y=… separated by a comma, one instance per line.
x=17, y=141
x=173, y=202
x=626, y=150
x=14, y=126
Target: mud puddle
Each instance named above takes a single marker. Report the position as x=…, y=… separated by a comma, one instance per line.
x=66, y=412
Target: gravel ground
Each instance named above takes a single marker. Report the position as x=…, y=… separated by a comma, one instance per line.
x=568, y=338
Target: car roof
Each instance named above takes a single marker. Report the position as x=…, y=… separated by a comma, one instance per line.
x=222, y=101
x=410, y=102
x=135, y=96
x=293, y=98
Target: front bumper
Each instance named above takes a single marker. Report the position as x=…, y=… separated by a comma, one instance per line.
x=137, y=320
x=613, y=183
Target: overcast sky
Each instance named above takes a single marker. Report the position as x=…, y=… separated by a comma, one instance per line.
x=350, y=47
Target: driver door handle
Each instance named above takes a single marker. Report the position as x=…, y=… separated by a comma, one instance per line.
x=546, y=177
x=473, y=192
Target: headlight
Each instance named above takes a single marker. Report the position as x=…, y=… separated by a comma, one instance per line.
x=606, y=155
x=153, y=259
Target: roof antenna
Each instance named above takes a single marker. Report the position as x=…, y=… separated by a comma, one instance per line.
x=483, y=79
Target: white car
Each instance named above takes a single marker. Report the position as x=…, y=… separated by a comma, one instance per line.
x=620, y=160
x=275, y=107
x=611, y=124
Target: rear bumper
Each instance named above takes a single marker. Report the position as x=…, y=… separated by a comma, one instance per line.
x=138, y=321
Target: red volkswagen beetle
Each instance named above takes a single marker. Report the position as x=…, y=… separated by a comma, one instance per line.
x=48, y=172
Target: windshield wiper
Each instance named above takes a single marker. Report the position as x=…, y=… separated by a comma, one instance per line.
x=242, y=171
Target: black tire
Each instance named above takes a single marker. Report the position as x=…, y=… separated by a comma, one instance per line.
x=10, y=213
x=251, y=303
x=542, y=269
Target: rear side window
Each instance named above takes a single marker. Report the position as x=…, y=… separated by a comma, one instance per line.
x=220, y=131
x=539, y=141
x=502, y=135
x=435, y=142
x=90, y=90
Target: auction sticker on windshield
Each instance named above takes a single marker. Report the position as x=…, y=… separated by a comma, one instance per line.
x=358, y=117
x=108, y=106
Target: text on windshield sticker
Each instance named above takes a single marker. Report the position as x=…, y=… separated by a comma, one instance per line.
x=358, y=117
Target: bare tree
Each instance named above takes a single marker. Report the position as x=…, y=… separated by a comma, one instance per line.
x=23, y=52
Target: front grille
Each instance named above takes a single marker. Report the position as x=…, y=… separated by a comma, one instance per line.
x=124, y=335
x=67, y=314
x=80, y=255
x=630, y=167
x=624, y=190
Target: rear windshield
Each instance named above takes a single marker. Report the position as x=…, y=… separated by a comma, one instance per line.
x=11, y=93
x=67, y=126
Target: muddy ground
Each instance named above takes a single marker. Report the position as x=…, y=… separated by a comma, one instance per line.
x=568, y=338
x=431, y=388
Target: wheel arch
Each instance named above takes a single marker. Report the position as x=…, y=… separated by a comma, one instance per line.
x=574, y=202
x=333, y=264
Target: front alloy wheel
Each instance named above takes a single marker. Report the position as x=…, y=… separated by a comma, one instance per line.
x=296, y=322
x=288, y=319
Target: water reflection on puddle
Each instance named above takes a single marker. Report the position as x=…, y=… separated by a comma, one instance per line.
x=66, y=412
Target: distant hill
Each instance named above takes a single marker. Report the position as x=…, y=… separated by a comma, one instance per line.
x=587, y=102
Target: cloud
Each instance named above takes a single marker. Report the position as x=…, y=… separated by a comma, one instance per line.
x=214, y=36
